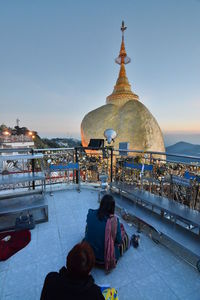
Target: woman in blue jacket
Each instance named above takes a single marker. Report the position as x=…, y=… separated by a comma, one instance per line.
x=96, y=225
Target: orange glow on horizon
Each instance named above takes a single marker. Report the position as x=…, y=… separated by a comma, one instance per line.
x=193, y=127
x=180, y=131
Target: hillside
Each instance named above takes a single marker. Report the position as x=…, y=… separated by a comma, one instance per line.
x=40, y=143
x=61, y=142
x=183, y=148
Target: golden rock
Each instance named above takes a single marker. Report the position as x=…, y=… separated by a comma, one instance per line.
x=124, y=113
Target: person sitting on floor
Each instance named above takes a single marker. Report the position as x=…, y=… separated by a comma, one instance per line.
x=75, y=281
x=105, y=234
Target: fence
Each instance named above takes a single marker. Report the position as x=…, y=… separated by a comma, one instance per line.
x=175, y=176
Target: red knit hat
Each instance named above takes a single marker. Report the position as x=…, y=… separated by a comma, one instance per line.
x=80, y=260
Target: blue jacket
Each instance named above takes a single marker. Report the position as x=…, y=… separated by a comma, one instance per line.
x=95, y=234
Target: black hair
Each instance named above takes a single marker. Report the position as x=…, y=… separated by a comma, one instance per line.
x=107, y=207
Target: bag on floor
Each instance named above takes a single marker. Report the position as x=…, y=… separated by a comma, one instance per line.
x=25, y=222
x=109, y=293
x=125, y=240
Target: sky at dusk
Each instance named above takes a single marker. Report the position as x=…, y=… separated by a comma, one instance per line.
x=57, y=62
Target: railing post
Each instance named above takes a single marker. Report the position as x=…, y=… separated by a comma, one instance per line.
x=33, y=168
x=76, y=160
x=151, y=162
x=111, y=164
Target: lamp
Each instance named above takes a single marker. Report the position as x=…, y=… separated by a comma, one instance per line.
x=110, y=135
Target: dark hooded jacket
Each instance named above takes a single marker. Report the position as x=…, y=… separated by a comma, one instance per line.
x=58, y=286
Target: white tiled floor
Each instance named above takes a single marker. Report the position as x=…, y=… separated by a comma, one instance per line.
x=150, y=272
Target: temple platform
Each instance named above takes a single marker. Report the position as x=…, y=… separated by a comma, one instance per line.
x=148, y=272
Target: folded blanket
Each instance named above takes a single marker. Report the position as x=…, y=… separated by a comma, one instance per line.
x=12, y=242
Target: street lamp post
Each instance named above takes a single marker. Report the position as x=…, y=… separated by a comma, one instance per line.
x=110, y=136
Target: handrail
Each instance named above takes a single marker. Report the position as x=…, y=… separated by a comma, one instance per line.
x=52, y=149
x=10, y=150
x=4, y=150
x=159, y=153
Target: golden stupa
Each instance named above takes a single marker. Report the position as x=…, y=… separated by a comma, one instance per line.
x=124, y=113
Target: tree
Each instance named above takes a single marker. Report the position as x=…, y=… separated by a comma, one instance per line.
x=3, y=127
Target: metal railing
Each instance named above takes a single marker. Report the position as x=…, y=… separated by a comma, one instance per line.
x=108, y=160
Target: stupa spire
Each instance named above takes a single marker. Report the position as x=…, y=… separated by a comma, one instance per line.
x=122, y=90
x=123, y=58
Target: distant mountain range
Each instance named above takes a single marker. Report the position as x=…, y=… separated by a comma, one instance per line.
x=183, y=148
x=61, y=142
